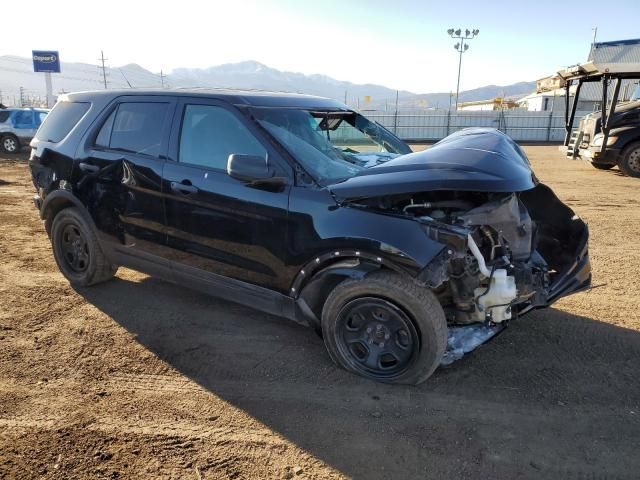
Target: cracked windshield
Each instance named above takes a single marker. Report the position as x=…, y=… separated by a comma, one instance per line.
x=331, y=145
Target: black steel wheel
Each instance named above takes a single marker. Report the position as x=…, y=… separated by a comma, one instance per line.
x=9, y=143
x=376, y=337
x=385, y=327
x=77, y=251
x=630, y=160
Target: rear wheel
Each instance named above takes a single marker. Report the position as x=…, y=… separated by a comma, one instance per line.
x=9, y=143
x=630, y=162
x=385, y=328
x=77, y=251
x=603, y=166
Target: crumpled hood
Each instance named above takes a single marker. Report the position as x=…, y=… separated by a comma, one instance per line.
x=474, y=159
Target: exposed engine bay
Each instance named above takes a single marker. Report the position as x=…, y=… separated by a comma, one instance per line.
x=505, y=251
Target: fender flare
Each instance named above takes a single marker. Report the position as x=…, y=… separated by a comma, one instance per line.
x=319, y=277
x=58, y=200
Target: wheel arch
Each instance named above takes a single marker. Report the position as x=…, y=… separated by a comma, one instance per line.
x=315, y=281
x=57, y=201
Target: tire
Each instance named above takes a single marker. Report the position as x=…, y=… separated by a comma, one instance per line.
x=77, y=251
x=360, y=315
x=630, y=161
x=602, y=166
x=9, y=144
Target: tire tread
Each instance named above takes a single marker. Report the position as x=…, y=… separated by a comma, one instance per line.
x=102, y=270
x=429, y=313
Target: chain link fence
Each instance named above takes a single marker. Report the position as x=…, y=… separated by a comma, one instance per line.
x=432, y=125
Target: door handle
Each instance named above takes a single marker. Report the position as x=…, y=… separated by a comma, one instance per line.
x=183, y=188
x=88, y=168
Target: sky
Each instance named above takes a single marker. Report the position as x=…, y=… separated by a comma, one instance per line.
x=400, y=44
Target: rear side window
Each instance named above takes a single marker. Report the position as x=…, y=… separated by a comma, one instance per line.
x=134, y=127
x=24, y=118
x=104, y=136
x=4, y=116
x=60, y=121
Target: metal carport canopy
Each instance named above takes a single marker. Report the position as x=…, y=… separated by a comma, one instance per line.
x=593, y=72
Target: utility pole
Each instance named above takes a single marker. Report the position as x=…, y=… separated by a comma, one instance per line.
x=104, y=70
x=22, y=96
x=395, y=116
x=461, y=47
x=162, y=78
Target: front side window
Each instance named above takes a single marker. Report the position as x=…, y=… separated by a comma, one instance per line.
x=134, y=127
x=4, y=116
x=210, y=134
x=331, y=145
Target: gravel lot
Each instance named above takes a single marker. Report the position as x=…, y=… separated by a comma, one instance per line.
x=138, y=378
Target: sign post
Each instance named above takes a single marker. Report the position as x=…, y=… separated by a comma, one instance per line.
x=47, y=62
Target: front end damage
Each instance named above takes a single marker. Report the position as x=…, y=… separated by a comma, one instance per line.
x=509, y=244
x=505, y=254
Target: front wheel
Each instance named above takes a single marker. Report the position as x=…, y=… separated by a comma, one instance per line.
x=385, y=328
x=630, y=162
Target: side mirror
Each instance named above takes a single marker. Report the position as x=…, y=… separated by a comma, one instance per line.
x=248, y=168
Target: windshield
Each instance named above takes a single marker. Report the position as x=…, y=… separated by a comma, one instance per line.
x=331, y=146
x=636, y=93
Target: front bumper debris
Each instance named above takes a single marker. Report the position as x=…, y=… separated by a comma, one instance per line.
x=463, y=339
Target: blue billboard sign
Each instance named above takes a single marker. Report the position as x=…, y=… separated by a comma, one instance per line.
x=46, y=61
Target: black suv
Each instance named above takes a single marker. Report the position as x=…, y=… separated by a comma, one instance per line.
x=302, y=208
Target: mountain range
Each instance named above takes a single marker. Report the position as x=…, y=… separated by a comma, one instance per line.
x=17, y=72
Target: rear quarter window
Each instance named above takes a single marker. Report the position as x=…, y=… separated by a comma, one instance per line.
x=59, y=122
x=4, y=116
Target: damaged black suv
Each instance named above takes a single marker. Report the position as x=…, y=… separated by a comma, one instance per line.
x=300, y=207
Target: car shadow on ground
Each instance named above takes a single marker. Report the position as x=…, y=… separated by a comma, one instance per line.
x=556, y=395
x=19, y=156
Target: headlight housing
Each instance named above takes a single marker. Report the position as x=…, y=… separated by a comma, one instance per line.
x=599, y=138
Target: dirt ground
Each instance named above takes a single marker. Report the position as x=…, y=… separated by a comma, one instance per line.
x=138, y=378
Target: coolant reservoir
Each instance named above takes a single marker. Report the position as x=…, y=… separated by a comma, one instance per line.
x=502, y=292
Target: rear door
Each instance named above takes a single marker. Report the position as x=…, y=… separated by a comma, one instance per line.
x=124, y=163
x=217, y=224
x=24, y=124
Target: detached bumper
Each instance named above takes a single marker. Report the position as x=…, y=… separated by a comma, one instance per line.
x=576, y=277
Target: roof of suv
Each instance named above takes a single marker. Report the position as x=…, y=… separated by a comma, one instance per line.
x=256, y=98
x=14, y=109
